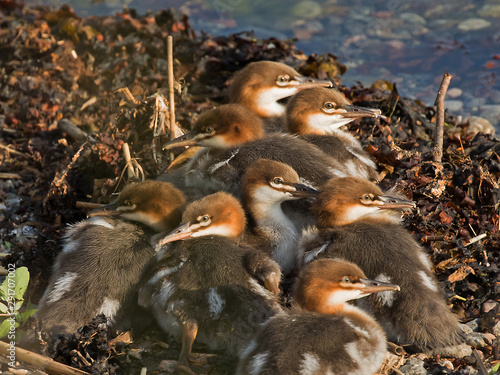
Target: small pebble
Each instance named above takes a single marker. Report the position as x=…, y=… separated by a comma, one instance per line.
x=489, y=305
x=454, y=92
x=307, y=9
x=490, y=10
x=412, y=18
x=473, y=24
x=446, y=364
x=454, y=105
x=413, y=366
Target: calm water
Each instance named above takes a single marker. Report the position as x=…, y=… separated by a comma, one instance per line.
x=411, y=43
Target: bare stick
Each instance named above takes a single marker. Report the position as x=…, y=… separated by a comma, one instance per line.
x=126, y=155
x=10, y=176
x=171, y=99
x=439, y=103
x=88, y=205
x=46, y=364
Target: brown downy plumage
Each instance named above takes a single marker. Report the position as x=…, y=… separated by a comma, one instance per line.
x=204, y=285
x=231, y=153
x=327, y=336
x=260, y=85
x=358, y=223
x=316, y=115
x=103, y=257
x=265, y=186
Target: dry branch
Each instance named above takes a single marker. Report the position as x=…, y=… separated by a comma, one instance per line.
x=43, y=363
x=88, y=205
x=439, y=103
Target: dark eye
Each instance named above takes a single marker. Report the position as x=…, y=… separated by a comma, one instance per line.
x=283, y=80
x=346, y=280
x=328, y=106
x=205, y=219
x=128, y=203
x=367, y=197
x=209, y=130
x=277, y=181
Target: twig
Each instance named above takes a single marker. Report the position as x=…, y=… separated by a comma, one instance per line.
x=439, y=103
x=72, y=130
x=88, y=205
x=126, y=155
x=171, y=99
x=479, y=361
x=128, y=95
x=40, y=361
x=11, y=150
x=395, y=349
x=59, y=181
x=10, y=176
x=475, y=239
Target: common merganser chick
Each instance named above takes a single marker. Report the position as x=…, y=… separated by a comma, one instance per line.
x=316, y=114
x=222, y=168
x=260, y=85
x=103, y=257
x=201, y=288
x=328, y=336
x=266, y=185
x=359, y=223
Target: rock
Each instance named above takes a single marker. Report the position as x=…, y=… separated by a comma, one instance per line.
x=456, y=351
x=490, y=10
x=446, y=364
x=412, y=18
x=474, y=24
x=496, y=329
x=480, y=125
x=476, y=340
x=454, y=92
x=396, y=44
x=491, y=112
x=307, y=9
x=490, y=304
x=413, y=366
x=454, y=105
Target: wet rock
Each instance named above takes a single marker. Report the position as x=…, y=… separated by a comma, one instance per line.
x=307, y=9
x=413, y=366
x=491, y=112
x=480, y=125
x=454, y=105
x=474, y=24
x=412, y=18
x=454, y=92
x=490, y=10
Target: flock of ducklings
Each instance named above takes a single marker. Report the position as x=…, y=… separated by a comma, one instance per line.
x=274, y=193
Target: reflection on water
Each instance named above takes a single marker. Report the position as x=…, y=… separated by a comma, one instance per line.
x=411, y=43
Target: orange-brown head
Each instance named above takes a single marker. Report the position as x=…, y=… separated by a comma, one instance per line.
x=270, y=182
x=324, y=285
x=154, y=203
x=347, y=199
x=261, y=84
x=222, y=127
x=320, y=110
x=219, y=214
